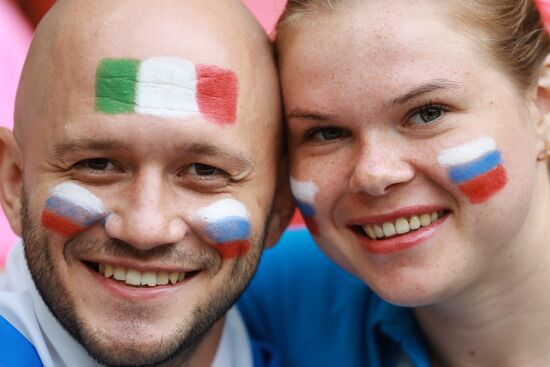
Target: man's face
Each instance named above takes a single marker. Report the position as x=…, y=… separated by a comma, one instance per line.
x=142, y=227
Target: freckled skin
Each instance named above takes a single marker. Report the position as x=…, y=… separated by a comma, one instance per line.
x=344, y=73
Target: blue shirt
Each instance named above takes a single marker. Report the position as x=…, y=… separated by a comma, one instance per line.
x=17, y=351
x=318, y=315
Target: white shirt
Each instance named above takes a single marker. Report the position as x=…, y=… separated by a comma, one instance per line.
x=22, y=306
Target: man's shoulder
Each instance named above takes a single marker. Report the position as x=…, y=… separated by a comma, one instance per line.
x=18, y=322
x=15, y=348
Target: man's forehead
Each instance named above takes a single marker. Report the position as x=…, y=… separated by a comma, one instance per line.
x=163, y=64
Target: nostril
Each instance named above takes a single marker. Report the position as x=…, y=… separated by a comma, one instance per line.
x=145, y=230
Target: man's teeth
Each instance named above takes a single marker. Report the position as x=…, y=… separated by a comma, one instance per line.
x=136, y=278
x=401, y=225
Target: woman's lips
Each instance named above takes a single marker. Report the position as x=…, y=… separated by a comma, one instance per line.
x=397, y=232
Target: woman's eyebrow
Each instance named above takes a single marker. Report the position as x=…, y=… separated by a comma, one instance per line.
x=420, y=90
x=308, y=115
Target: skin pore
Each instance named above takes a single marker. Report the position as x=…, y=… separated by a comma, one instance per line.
x=370, y=108
x=152, y=174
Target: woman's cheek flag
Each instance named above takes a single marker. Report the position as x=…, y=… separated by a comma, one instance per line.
x=476, y=168
x=71, y=209
x=167, y=87
x=304, y=195
x=226, y=224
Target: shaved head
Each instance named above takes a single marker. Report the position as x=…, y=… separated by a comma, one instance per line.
x=133, y=119
x=75, y=35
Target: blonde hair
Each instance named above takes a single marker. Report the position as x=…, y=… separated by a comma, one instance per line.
x=510, y=31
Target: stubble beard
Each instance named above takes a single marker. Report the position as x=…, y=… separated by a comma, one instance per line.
x=174, y=349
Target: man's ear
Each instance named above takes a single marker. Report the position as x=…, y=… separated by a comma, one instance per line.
x=11, y=179
x=283, y=206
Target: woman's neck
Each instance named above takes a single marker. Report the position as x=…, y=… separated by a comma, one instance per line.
x=503, y=319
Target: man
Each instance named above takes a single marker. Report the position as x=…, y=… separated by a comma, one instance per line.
x=142, y=177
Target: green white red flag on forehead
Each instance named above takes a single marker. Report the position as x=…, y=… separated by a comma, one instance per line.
x=167, y=87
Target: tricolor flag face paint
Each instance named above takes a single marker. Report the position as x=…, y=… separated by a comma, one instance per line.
x=227, y=225
x=304, y=195
x=71, y=209
x=476, y=167
x=166, y=87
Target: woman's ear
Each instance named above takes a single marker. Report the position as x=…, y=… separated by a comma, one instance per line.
x=543, y=105
x=11, y=179
x=283, y=206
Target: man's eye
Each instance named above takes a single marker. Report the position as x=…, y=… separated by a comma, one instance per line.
x=427, y=115
x=200, y=169
x=96, y=164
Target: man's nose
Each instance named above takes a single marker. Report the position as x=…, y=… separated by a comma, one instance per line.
x=147, y=217
x=379, y=168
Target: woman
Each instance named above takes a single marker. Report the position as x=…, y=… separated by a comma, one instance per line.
x=419, y=134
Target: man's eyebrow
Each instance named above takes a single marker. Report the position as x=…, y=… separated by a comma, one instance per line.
x=206, y=149
x=437, y=84
x=88, y=144
x=214, y=150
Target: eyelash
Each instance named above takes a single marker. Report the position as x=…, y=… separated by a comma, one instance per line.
x=189, y=176
x=217, y=171
x=310, y=134
x=425, y=107
x=82, y=165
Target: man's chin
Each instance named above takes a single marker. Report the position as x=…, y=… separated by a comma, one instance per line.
x=136, y=352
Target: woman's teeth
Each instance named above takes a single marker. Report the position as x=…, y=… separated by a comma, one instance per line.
x=136, y=278
x=401, y=225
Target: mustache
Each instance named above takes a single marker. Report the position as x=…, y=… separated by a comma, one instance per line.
x=201, y=256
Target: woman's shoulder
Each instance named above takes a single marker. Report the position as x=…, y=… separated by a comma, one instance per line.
x=297, y=266
x=298, y=298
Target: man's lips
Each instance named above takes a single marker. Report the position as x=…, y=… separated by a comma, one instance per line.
x=140, y=276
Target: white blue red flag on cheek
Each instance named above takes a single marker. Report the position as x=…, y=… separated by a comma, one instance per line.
x=304, y=196
x=71, y=209
x=476, y=168
x=227, y=225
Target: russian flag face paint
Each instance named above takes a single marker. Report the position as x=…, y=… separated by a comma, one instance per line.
x=227, y=225
x=304, y=195
x=166, y=87
x=71, y=209
x=477, y=169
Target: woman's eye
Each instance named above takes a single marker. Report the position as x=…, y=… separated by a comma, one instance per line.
x=326, y=133
x=96, y=164
x=427, y=115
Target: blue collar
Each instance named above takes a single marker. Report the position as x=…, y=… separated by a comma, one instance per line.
x=394, y=331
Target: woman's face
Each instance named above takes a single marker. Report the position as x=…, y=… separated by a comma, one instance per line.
x=399, y=123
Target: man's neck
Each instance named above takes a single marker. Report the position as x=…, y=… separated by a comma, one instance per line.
x=206, y=350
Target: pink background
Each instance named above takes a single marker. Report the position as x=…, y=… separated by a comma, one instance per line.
x=15, y=35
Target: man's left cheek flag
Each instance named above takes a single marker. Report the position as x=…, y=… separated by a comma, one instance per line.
x=71, y=209
x=227, y=226
x=167, y=87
